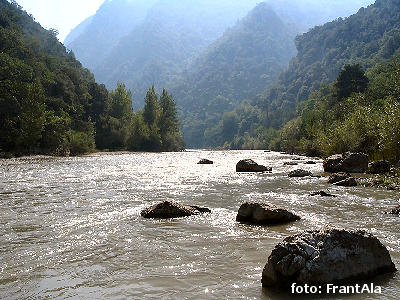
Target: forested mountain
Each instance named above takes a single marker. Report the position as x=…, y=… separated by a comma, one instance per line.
x=367, y=37
x=305, y=14
x=50, y=104
x=242, y=63
x=173, y=33
x=94, y=38
x=370, y=36
x=359, y=112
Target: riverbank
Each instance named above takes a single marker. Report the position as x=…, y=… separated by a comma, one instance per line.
x=390, y=182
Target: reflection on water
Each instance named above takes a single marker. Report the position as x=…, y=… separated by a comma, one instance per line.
x=71, y=227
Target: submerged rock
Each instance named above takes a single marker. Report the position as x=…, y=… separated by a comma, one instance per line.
x=264, y=214
x=338, y=177
x=348, y=182
x=322, y=194
x=379, y=167
x=395, y=211
x=327, y=256
x=300, y=173
x=348, y=162
x=170, y=209
x=205, y=162
x=248, y=165
x=290, y=163
x=310, y=162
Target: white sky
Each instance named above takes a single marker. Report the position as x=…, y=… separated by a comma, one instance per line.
x=62, y=15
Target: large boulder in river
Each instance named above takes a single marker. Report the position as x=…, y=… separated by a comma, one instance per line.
x=300, y=173
x=348, y=162
x=205, y=162
x=264, y=214
x=248, y=165
x=328, y=256
x=379, y=167
x=333, y=163
x=336, y=177
x=170, y=209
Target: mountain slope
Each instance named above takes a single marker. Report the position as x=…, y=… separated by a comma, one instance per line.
x=370, y=36
x=113, y=20
x=241, y=64
x=244, y=62
x=48, y=102
x=157, y=49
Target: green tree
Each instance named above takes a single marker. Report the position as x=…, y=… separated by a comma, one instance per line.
x=151, y=107
x=351, y=79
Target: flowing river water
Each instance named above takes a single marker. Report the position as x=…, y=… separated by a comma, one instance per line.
x=70, y=228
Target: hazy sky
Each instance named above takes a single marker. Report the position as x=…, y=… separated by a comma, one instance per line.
x=62, y=15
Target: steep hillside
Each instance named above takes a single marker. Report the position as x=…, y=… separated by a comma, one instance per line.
x=94, y=38
x=172, y=35
x=305, y=14
x=370, y=36
x=48, y=102
x=244, y=62
x=241, y=64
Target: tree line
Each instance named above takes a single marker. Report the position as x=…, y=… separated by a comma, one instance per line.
x=50, y=104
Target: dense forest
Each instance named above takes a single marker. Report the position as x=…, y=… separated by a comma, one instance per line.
x=359, y=112
x=244, y=62
x=50, y=104
x=367, y=38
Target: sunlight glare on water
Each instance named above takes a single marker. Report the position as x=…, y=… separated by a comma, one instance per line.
x=71, y=227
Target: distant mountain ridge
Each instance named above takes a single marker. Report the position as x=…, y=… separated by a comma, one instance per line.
x=239, y=65
x=94, y=38
x=181, y=45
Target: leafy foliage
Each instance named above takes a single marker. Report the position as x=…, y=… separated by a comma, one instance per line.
x=50, y=104
x=360, y=122
x=366, y=38
x=361, y=41
x=46, y=96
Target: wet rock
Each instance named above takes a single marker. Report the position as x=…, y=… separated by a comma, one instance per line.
x=348, y=182
x=267, y=151
x=248, y=165
x=290, y=163
x=205, y=162
x=310, y=162
x=355, y=162
x=379, y=167
x=300, y=173
x=264, y=214
x=170, y=209
x=395, y=211
x=328, y=256
x=322, y=194
x=348, y=162
x=333, y=163
x=336, y=177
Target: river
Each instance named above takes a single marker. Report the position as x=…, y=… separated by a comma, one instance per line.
x=70, y=228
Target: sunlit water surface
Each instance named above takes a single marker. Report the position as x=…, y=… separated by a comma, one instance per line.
x=71, y=227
